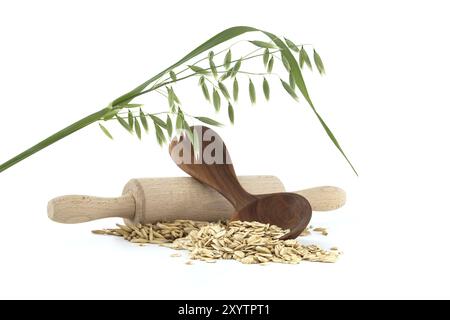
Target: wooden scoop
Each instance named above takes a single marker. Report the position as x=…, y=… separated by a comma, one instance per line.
x=212, y=166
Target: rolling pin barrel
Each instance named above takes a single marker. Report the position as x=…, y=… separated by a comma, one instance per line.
x=150, y=200
x=186, y=198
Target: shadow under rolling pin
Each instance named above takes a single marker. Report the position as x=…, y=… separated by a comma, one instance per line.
x=148, y=200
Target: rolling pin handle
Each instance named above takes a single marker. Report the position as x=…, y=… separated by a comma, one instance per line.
x=324, y=198
x=79, y=208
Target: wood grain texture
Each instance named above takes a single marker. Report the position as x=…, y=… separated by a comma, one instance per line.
x=324, y=198
x=185, y=198
x=79, y=208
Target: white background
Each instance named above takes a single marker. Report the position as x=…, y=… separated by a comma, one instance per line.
x=385, y=96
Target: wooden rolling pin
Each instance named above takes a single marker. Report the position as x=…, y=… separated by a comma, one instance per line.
x=149, y=200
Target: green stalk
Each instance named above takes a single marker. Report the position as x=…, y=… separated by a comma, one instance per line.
x=55, y=137
x=121, y=102
x=212, y=42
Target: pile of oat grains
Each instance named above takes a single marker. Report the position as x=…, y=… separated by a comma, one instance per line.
x=247, y=242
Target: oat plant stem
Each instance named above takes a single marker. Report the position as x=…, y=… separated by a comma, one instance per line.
x=160, y=80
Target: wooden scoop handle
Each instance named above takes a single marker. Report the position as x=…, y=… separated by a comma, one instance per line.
x=80, y=208
x=217, y=172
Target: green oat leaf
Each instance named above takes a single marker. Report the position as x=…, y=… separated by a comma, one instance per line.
x=291, y=81
x=173, y=76
x=123, y=123
x=270, y=65
x=266, y=57
x=201, y=80
x=206, y=92
x=266, y=89
x=187, y=128
x=226, y=75
x=143, y=119
x=300, y=82
x=318, y=62
x=227, y=60
x=224, y=90
x=263, y=44
x=131, y=105
x=130, y=120
x=289, y=90
x=235, y=89
x=236, y=68
x=188, y=131
x=230, y=113
x=198, y=70
x=158, y=121
x=111, y=114
x=170, y=98
x=105, y=131
x=216, y=100
x=204, y=87
x=304, y=59
x=160, y=137
x=209, y=121
x=179, y=122
x=252, y=91
x=212, y=66
x=175, y=97
x=291, y=45
x=169, y=126
x=285, y=63
x=137, y=128
x=193, y=138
